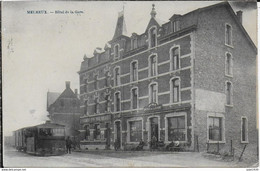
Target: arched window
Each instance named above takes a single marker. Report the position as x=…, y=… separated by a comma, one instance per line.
x=153, y=65
x=153, y=92
x=96, y=106
x=175, y=90
x=95, y=82
x=117, y=76
x=86, y=86
x=107, y=103
x=229, y=93
x=86, y=107
x=117, y=101
x=134, y=72
x=107, y=80
x=229, y=64
x=175, y=58
x=153, y=37
x=134, y=98
x=228, y=34
x=116, y=51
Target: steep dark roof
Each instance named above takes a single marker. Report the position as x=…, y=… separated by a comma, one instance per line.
x=51, y=98
x=67, y=93
x=120, y=26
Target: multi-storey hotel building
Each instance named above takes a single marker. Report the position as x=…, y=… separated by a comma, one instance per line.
x=190, y=79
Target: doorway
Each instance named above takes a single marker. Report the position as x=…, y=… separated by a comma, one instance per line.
x=118, y=133
x=154, y=128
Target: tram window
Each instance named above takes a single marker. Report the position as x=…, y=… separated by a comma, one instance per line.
x=45, y=132
x=58, y=132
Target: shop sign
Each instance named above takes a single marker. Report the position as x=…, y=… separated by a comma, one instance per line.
x=96, y=119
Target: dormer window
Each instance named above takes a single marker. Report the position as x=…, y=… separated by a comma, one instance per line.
x=116, y=51
x=134, y=43
x=152, y=37
x=176, y=25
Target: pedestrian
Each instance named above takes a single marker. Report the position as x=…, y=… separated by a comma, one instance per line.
x=68, y=144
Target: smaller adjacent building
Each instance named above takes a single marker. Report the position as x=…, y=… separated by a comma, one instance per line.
x=63, y=109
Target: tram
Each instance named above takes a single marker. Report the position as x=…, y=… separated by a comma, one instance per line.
x=44, y=140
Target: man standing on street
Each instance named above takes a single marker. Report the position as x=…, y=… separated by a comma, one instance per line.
x=68, y=144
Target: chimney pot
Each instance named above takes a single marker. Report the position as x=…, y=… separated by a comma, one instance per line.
x=240, y=16
x=67, y=84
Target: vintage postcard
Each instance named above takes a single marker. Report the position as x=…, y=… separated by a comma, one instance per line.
x=129, y=84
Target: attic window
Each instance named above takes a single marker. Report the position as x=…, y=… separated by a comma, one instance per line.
x=134, y=43
x=116, y=51
x=152, y=37
x=176, y=25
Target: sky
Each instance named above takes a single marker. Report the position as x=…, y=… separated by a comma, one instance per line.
x=42, y=51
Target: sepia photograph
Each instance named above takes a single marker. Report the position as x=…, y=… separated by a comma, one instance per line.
x=129, y=84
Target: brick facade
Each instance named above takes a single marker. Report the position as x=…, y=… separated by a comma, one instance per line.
x=189, y=93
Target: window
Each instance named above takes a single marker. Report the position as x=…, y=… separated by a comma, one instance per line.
x=134, y=98
x=95, y=82
x=134, y=71
x=96, y=132
x=176, y=25
x=107, y=80
x=117, y=76
x=87, y=133
x=107, y=103
x=228, y=34
x=176, y=128
x=244, y=130
x=135, y=131
x=116, y=51
x=117, y=101
x=215, y=128
x=175, y=58
x=175, y=90
x=58, y=132
x=86, y=86
x=153, y=65
x=153, y=93
x=96, y=106
x=229, y=93
x=134, y=43
x=229, y=64
x=86, y=107
x=153, y=37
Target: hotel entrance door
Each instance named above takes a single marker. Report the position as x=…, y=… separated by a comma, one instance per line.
x=118, y=133
x=154, y=128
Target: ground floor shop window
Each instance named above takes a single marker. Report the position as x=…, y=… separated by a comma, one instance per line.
x=97, y=132
x=135, y=131
x=244, y=132
x=176, y=128
x=215, y=128
x=87, y=133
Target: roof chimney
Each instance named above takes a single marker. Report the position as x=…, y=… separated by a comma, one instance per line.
x=67, y=84
x=239, y=16
x=48, y=121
